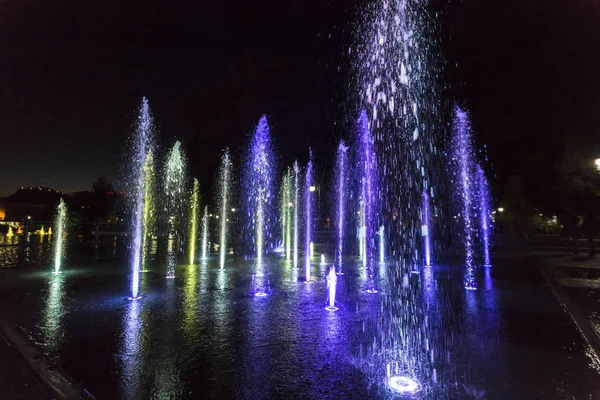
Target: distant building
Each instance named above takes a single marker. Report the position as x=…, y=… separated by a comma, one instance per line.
x=36, y=202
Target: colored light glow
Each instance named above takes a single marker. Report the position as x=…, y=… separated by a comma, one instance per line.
x=403, y=385
x=500, y=209
x=194, y=205
x=225, y=178
x=308, y=210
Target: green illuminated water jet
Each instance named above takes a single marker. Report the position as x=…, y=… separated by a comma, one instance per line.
x=60, y=238
x=194, y=205
x=148, y=218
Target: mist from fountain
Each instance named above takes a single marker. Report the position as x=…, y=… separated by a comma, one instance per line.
x=174, y=192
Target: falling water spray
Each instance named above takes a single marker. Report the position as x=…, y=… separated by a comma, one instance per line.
x=148, y=219
x=484, y=213
x=194, y=209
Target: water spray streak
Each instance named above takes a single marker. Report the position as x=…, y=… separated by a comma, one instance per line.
x=286, y=214
x=205, y=232
x=484, y=212
x=367, y=165
x=308, y=211
x=296, y=207
x=340, y=166
x=331, y=286
x=140, y=150
x=174, y=194
x=425, y=229
x=60, y=238
x=225, y=183
x=148, y=220
x=194, y=208
x=381, y=244
x=464, y=160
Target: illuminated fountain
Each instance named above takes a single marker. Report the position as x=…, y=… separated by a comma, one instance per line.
x=225, y=177
x=60, y=239
x=204, y=232
x=368, y=191
x=323, y=261
x=296, y=208
x=381, y=236
x=463, y=158
x=484, y=214
x=425, y=229
x=331, y=287
x=309, y=189
x=148, y=220
x=286, y=214
x=10, y=232
x=141, y=146
x=174, y=191
x=194, y=210
x=341, y=165
x=260, y=205
x=49, y=231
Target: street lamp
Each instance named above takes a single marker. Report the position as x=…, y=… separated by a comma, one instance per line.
x=500, y=209
x=312, y=188
x=233, y=210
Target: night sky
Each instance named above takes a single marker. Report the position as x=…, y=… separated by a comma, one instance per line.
x=72, y=74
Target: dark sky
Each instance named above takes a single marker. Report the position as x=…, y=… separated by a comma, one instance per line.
x=72, y=74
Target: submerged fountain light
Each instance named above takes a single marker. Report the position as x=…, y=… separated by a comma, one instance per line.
x=224, y=190
x=331, y=287
x=340, y=177
x=403, y=385
x=194, y=209
x=308, y=214
x=141, y=147
x=174, y=189
x=60, y=239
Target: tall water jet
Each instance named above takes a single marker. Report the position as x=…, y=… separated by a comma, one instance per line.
x=341, y=165
x=148, y=220
x=225, y=178
x=259, y=192
x=286, y=214
x=141, y=146
x=425, y=229
x=462, y=156
x=308, y=183
x=60, y=238
x=174, y=189
x=204, y=232
x=194, y=209
x=296, y=207
x=331, y=287
x=381, y=236
x=484, y=214
x=368, y=191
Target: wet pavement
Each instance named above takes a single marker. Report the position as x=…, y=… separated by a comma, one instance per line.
x=202, y=335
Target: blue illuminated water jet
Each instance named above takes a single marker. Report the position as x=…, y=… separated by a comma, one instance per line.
x=462, y=156
x=308, y=202
x=368, y=190
x=142, y=143
x=341, y=165
x=426, y=229
x=484, y=214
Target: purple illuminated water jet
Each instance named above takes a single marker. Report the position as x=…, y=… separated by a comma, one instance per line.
x=484, y=214
x=426, y=229
x=308, y=183
x=340, y=177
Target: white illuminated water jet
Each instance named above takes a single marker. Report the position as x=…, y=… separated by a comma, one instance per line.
x=285, y=214
x=60, y=238
x=194, y=209
x=425, y=229
x=225, y=183
x=323, y=261
x=141, y=147
x=296, y=207
x=174, y=189
x=381, y=245
x=331, y=287
x=308, y=215
x=340, y=172
x=205, y=232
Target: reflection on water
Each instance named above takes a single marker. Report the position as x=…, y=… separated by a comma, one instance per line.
x=53, y=314
x=131, y=360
